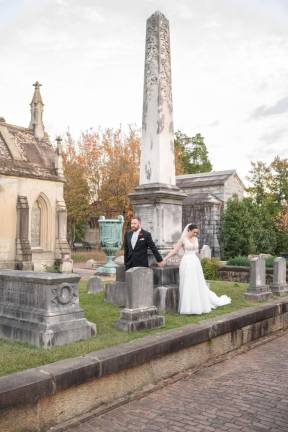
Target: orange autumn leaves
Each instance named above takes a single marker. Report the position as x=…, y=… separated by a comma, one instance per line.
x=101, y=169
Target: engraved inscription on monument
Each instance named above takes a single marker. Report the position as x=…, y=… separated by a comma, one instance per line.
x=147, y=218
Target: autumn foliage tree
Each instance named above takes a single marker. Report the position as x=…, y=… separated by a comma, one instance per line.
x=76, y=191
x=101, y=169
x=120, y=174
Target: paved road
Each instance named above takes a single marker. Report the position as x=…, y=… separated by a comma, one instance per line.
x=248, y=393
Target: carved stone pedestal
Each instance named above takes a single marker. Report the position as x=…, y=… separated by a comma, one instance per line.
x=160, y=209
x=42, y=309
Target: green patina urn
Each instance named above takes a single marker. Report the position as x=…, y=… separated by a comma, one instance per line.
x=110, y=231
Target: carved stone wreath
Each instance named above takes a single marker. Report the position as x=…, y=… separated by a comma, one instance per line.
x=64, y=294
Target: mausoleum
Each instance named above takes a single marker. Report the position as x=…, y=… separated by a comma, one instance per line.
x=32, y=208
x=207, y=195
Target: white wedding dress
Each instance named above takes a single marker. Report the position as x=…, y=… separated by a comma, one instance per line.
x=195, y=297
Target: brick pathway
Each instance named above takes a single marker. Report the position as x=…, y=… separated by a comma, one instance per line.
x=248, y=393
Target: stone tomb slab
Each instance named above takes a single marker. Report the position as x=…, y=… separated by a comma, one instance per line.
x=42, y=309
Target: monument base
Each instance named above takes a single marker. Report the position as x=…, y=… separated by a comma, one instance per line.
x=47, y=334
x=262, y=294
x=166, y=298
x=279, y=290
x=42, y=309
x=139, y=319
x=108, y=269
x=160, y=208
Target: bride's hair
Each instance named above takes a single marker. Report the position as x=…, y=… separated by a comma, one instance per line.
x=191, y=227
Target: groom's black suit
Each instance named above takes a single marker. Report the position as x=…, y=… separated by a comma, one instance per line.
x=138, y=257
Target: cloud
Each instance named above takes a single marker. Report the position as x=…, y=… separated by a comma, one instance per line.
x=274, y=137
x=269, y=145
x=214, y=123
x=279, y=107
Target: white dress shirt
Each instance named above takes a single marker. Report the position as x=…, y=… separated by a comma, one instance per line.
x=134, y=238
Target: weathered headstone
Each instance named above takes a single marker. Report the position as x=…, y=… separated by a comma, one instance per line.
x=94, y=285
x=91, y=263
x=258, y=290
x=66, y=264
x=165, y=290
x=42, y=309
x=279, y=285
x=157, y=199
x=139, y=313
x=205, y=252
x=115, y=292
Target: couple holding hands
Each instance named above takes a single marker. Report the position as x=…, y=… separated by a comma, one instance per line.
x=195, y=297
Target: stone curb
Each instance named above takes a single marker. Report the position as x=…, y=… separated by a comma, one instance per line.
x=29, y=386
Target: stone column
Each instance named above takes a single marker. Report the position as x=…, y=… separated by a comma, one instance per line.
x=279, y=286
x=23, y=248
x=258, y=290
x=139, y=313
x=157, y=200
x=63, y=253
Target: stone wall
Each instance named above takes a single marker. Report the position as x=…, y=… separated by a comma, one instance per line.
x=36, y=399
x=241, y=274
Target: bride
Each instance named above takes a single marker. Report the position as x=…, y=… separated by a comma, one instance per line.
x=195, y=296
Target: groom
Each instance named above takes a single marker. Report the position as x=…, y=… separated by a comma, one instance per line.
x=136, y=244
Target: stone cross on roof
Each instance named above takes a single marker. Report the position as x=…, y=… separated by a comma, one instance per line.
x=36, y=122
x=37, y=95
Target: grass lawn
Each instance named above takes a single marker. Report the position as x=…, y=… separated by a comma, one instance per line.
x=16, y=356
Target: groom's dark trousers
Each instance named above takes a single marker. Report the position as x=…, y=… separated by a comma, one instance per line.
x=138, y=257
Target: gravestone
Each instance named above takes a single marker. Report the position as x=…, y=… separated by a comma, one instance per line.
x=94, y=285
x=258, y=290
x=205, y=252
x=279, y=285
x=165, y=288
x=115, y=292
x=139, y=312
x=42, y=309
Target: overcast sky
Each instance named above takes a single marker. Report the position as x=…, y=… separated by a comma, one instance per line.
x=229, y=69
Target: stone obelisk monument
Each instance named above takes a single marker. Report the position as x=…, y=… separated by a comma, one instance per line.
x=157, y=200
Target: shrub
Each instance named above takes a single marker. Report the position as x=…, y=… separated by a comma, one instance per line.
x=210, y=268
x=269, y=261
x=239, y=260
x=243, y=261
x=247, y=228
x=54, y=268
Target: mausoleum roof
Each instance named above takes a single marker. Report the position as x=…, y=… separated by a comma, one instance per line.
x=23, y=155
x=212, y=178
x=202, y=197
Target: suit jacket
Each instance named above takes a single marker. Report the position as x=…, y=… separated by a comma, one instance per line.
x=138, y=257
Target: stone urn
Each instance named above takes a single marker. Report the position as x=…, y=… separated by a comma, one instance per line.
x=110, y=231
